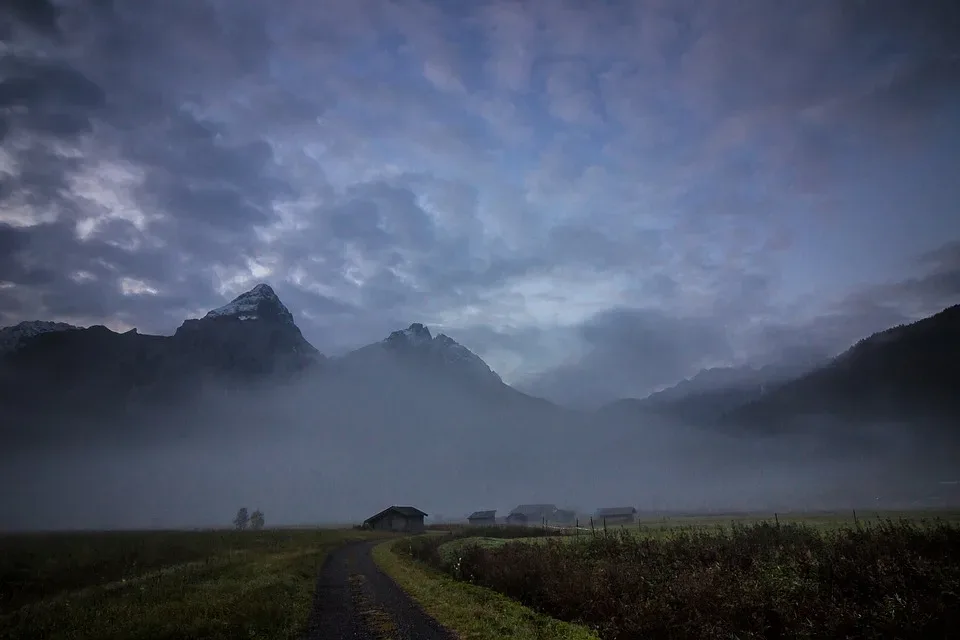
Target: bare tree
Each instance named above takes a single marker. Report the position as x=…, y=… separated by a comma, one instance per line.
x=256, y=520
x=242, y=519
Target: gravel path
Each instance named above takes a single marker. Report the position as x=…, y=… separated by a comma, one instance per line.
x=356, y=601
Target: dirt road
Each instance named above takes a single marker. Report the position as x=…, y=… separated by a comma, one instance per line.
x=356, y=601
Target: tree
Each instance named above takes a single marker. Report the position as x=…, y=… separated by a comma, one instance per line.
x=256, y=520
x=242, y=519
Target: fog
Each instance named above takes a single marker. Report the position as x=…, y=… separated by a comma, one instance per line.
x=334, y=449
x=713, y=196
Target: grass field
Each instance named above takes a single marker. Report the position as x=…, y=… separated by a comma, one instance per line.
x=705, y=577
x=472, y=612
x=161, y=585
x=811, y=576
x=820, y=519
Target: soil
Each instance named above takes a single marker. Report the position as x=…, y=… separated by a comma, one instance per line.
x=356, y=601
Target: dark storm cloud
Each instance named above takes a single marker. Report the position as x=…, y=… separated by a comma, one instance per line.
x=40, y=15
x=42, y=103
x=396, y=169
x=868, y=310
x=205, y=183
x=47, y=96
x=630, y=352
x=204, y=188
x=380, y=216
x=85, y=279
x=13, y=242
x=659, y=185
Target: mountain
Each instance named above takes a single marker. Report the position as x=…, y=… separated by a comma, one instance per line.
x=253, y=334
x=709, y=394
x=225, y=365
x=909, y=373
x=51, y=373
x=415, y=347
x=12, y=338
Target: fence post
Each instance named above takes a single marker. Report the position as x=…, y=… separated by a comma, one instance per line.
x=593, y=530
x=776, y=518
x=577, y=525
x=604, y=525
x=855, y=520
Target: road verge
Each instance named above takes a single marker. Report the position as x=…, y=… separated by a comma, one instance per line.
x=472, y=612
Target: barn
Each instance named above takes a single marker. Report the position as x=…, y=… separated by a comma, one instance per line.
x=396, y=519
x=616, y=515
x=483, y=518
x=534, y=514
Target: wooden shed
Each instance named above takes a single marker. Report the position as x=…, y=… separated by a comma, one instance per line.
x=396, y=519
x=483, y=518
x=532, y=514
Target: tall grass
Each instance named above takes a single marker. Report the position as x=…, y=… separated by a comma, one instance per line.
x=887, y=579
x=37, y=565
x=175, y=585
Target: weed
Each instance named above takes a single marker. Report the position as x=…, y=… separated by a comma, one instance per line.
x=882, y=579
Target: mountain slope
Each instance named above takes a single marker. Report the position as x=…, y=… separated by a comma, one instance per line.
x=246, y=365
x=253, y=334
x=416, y=348
x=96, y=377
x=906, y=373
x=709, y=394
x=12, y=338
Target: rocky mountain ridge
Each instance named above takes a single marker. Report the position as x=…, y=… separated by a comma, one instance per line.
x=909, y=373
x=53, y=372
x=417, y=346
x=13, y=337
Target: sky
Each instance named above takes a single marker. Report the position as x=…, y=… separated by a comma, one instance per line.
x=577, y=191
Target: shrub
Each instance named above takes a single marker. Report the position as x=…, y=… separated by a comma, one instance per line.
x=891, y=579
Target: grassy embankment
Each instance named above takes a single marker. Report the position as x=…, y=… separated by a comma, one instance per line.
x=470, y=611
x=877, y=578
x=161, y=585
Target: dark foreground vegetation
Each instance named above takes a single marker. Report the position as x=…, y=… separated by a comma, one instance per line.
x=884, y=579
x=161, y=584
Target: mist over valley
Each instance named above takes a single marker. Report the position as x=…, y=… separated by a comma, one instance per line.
x=134, y=431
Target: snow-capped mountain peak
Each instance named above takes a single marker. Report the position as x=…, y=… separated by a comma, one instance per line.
x=260, y=303
x=255, y=327
x=443, y=348
x=414, y=335
x=12, y=338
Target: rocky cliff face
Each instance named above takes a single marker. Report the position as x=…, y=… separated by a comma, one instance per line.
x=94, y=378
x=52, y=373
x=12, y=338
x=441, y=353
x=253, y=334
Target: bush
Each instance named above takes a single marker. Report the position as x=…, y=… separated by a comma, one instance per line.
x=761, y=581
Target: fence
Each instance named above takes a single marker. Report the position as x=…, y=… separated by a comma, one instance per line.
x=593, y=525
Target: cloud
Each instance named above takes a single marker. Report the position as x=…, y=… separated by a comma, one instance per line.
x=630, y=352
x=534, y=176
x=832, y=328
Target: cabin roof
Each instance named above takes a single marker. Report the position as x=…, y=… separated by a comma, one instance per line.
x=406, y=512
